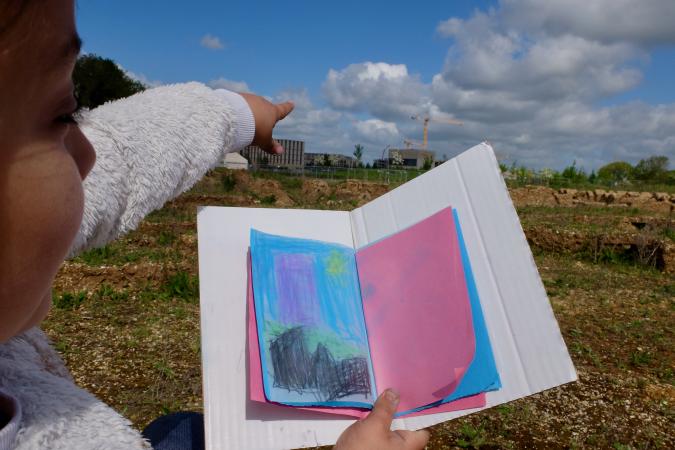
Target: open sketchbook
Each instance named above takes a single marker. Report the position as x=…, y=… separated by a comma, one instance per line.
x=524, y=339
x=336, y=326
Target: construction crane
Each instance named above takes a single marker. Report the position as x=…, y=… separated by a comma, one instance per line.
x=409, y=144
x=427, y=119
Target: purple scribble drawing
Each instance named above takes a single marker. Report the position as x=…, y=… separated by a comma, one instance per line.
x=297, y=291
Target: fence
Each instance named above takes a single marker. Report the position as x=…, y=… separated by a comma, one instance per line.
x=386, y=176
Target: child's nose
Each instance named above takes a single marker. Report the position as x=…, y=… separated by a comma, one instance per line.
x=81, y=150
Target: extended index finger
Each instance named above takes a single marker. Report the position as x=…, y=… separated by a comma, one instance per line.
x=284, y=109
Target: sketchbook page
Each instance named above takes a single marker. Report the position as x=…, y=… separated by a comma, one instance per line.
x=257, y=393
x=231, y=419
x=482, y=375
x=417, y=310
x=528, y=348
x=311, y=332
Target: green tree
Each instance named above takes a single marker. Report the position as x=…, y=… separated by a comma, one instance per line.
x=592, y=178
x=523, y=175
x=326, y=160
x=573, y=174
x=654, y=168
x=615, y=172
x=428, y=163
x=98, y=80
x=358, y=153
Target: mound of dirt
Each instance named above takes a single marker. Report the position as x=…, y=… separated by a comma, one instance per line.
x=313, y=190
x=262, y=188
x=659, y=202
x=359, y=191
x=634, y=239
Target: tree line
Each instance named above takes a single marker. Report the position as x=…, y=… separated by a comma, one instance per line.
x=652, y=170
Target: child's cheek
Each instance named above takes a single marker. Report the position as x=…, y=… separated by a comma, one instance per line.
x=42, y=200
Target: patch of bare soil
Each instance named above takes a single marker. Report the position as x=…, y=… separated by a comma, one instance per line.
x=131, y=336
x=359, y=191
x=656, y=202
x=638, y=239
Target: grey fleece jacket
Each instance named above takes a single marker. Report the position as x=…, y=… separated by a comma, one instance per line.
x=150, y=148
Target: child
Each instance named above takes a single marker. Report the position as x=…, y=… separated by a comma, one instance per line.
x=151, y=147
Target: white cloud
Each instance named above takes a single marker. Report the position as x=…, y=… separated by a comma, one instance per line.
x=375, y=130
x=230, y=85
x=381, y=89
x=212, y=42
x=530, y=76
x=639, y=22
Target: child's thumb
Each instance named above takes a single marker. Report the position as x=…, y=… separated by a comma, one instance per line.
x=384, y=409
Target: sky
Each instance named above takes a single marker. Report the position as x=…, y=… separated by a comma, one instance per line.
x=547, y=82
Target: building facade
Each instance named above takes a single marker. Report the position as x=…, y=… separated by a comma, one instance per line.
x=335, y=160
x=292, y=157
x=410, y=158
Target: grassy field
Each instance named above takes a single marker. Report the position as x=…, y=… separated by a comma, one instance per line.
x=126, y=320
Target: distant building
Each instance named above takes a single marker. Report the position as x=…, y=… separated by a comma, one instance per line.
x=335, y=160
x=292, y=157
x=411, y=158
x=379, y=164
x=234, y=161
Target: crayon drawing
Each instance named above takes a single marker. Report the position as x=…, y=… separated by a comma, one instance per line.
x=313, y=341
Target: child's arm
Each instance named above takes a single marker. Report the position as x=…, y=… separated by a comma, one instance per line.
x=150, y=148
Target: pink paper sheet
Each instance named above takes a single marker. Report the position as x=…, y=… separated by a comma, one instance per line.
x=257, y=392
x=417, y=310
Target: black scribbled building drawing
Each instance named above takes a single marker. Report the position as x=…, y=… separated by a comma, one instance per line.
x=318, y=373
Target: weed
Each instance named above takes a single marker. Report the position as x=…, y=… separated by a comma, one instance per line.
x=228, y=182
x=620, y=446
x=269, y=199
x=471, y=437
x=640, y=358
x=584, y=350
x=107, y=292
x=182, y=285
x=505, y=410
x=62, y=347
x=98, y=256
x=68, y=300
x=166, y=238
x=165, y=371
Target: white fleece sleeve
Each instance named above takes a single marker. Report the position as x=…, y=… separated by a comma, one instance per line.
x=150, y=148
